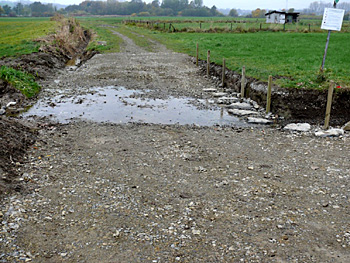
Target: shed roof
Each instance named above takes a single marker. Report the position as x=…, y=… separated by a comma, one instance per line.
x=281, y=12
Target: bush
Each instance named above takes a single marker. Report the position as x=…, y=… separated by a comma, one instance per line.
x=144, y=14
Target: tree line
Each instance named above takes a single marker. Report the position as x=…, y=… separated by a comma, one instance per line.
x=155, y=8
x=113, y=7
x=137, y=7
x=34, y=9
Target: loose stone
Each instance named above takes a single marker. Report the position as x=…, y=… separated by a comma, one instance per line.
x=330, y=133
x=242, y=112
x=219, y=94
x=210, y=90
x=240, y=106
x=258, y=120
x=347, y=126
x=301, y=127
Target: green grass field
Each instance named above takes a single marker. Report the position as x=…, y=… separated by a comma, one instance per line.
x=293, y=59
x=237, y=24
x=18, y=35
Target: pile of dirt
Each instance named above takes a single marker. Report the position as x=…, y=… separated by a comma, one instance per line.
x=15, y=138
x=39, y=64
x=8, y=94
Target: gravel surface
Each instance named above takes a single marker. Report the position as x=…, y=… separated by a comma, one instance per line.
x=102, y=192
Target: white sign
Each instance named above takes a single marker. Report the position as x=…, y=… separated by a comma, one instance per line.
x=332, y=19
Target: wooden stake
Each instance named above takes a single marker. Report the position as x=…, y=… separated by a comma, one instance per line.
x=268, y=102
x=243, y=82
x=223, y=72
x=329, y=105
x=197, y=55
x=208, y=63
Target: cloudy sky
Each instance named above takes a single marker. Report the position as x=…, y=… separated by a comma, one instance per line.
x=253, y=4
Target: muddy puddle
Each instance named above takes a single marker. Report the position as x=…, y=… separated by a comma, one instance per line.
x=120, y=105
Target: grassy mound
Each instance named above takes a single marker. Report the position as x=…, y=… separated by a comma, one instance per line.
x=22, y=81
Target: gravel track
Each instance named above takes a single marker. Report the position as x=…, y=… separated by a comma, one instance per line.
x=101, y=192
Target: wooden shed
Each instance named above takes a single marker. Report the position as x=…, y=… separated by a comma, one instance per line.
x=280, y=17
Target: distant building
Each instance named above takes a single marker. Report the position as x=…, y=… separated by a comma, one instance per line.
x=280, y=17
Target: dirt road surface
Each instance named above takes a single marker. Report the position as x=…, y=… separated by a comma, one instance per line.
x=131, y=192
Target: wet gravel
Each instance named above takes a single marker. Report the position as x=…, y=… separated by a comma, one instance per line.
x=102, y=192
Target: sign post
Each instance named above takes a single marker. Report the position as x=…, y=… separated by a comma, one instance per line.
x=332, y=20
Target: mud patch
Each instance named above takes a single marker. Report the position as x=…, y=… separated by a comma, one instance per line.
x=15, y=139
x=120, y=105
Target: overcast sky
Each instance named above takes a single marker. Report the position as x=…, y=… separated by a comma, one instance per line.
x=253, y=4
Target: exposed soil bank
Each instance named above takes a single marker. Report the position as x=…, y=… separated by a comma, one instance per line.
x=15, y=137
x=303, y=105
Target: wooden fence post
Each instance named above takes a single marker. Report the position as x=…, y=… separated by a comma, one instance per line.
x=208, y=63
x=231, y=26
x=243, y=82
x=197, y=55
x=309, y=28
x=223, y=72
x=268, y=102
x=329, y=105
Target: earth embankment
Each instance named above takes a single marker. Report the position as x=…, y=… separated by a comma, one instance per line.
x=56, y=49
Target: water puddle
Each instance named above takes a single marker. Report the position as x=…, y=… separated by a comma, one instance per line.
x=120, y=105
x=73, y=63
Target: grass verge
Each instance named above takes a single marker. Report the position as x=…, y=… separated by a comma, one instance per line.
x=138, y=37
x=102, y=33
x=104, y=27
x=22, y=81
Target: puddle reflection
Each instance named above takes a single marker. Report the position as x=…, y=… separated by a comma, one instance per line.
x=120, y=105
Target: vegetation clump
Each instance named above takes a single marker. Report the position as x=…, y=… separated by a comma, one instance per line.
x=68, y=38
x=20, y=80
